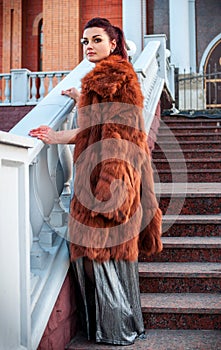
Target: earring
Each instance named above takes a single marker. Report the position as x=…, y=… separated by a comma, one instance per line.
x=112, y=50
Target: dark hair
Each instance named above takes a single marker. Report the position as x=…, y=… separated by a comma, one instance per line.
x=113, y=32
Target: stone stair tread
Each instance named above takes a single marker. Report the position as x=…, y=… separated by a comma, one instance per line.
x=192, y=242
x=200, y=303
x=190, y=127
x=192, y=219
x=183, y=160
x=190, y=134
x=161, y=339
x=193, y=188
x=192, y=142
x=180, y=269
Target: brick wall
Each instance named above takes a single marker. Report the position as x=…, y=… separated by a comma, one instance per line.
x=31, y=15
x=62, y=325
x=61, y=34
x=110, y=9
x=161, y=18
x=10, y=116
x=12, y=35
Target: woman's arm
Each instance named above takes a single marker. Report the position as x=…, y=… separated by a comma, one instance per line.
x=49, y=136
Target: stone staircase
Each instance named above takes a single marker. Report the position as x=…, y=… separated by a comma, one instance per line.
x=181, y=287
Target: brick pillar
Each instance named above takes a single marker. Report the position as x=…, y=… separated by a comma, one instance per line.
x=12, y=35
x=61, y=34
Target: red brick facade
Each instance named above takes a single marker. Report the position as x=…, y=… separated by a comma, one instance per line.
x=62, y=27
x=63, y=22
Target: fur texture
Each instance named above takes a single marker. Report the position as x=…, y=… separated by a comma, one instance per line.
x=114, y=213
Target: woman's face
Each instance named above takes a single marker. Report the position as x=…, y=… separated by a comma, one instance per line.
x=97, y=44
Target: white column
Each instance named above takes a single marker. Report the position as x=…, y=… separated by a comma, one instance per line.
x=179, y=33
x=132, y=23
x=15, y=322
x=19, y=86
x=192, y=34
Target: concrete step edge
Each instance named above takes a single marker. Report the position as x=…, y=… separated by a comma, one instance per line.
x=189, y=303
x=195, y=242
x=192, y=219
x=188, y=188
x=180, y=269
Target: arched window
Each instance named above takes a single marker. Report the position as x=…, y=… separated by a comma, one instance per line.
x=212, y=70
x=40, y=45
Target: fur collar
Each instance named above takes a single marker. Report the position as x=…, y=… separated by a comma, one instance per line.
x=108, y=76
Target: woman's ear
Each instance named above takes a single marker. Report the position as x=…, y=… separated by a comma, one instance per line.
x=113, y=45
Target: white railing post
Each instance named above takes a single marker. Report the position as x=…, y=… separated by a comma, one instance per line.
x=19, y=86
x=162, y=59
x=15, y=325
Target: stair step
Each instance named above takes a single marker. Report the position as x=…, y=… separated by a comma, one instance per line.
x=189, y=137
x=191, y=189
x=175, y=145
x=190, y=121
x=187, y=204
x=160, y=339
x=180, y=277
x=188, y=129
x=189, y=269
x=191, y=242
x=192, y=219
x=193, y=175
x=186, y=154
x=187, y=249
x=188, y=303
x=181, y=310
x=189, y=198
x=191, y=225
x=187, y=164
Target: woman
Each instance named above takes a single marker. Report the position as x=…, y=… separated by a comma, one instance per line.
x=114, y=214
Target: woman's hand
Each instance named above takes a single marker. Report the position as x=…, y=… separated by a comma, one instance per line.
x=49, y=136
x=45, y=133
x=72, y=92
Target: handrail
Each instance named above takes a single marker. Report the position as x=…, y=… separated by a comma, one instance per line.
x=34, y=175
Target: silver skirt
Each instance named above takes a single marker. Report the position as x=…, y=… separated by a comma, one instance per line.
x=111, y=307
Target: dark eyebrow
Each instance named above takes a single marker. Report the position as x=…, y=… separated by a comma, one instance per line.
x=94, y=36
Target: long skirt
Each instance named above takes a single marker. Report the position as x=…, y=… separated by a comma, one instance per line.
x=110, y=300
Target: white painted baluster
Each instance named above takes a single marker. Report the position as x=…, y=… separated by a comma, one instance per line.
x=50, y=85
x=7, y=88
x=46, y=193
x=42, y=87
x=58, y=76
x=38, y=255
x=66, y=159
x=33, y=88
x=58, y=214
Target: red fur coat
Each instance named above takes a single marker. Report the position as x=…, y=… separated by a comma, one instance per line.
x=114, y=213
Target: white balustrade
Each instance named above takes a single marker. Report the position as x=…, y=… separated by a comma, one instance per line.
x=5, y=90
x=147, y=68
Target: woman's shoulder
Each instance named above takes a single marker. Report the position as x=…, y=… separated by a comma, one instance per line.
x=109, y=75
x=115, y=64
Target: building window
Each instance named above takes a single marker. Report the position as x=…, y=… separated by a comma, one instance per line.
x=40, y=45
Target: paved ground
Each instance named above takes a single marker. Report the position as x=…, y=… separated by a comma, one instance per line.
x=161, y=340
